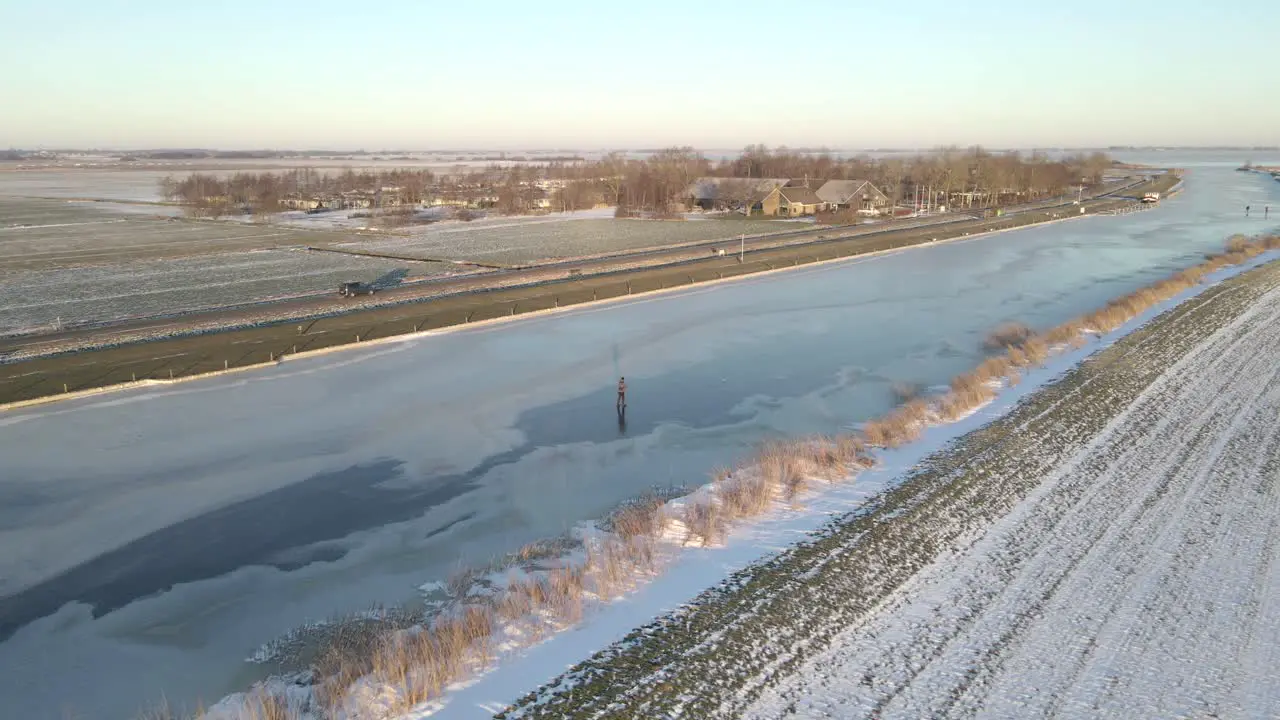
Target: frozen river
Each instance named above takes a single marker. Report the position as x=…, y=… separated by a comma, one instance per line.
x=151, y=539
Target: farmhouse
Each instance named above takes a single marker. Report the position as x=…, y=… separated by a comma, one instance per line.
x=784, y=196
x=857, y=195
x=719, y=193
x=295, y=201
x=792, y=202
x=443, y=201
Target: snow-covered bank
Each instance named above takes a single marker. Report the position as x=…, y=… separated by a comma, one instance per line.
x=773, y=622
x=1140, y=579
x=708, y=515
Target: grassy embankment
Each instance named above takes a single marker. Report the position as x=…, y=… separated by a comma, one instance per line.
x=699, y=659
x=193, y=355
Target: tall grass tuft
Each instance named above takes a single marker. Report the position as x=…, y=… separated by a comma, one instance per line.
x=704, y=521
x=263, y=705
x=1007, y=334
x=745, y=494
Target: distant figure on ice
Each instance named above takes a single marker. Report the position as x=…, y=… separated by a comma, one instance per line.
x=1266, y=211
x=622, y=395
x=1246, y=211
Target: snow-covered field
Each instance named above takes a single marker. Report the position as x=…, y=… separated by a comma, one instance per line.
x=1108, y=549
x=115, y=183
x=533, y=239
x=361, y=220
x=75, y=263
x=39, y=234
x=101, y=293
x=82, y=262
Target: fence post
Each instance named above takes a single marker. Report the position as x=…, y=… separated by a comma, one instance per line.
x=357, y=338
x=170, y=373
x=64, y=387
x=271, y=357
x=513, y=308
x=557, y=299
x=225, y=365
x=469, y=316
x=594, y=296
x=135, y=376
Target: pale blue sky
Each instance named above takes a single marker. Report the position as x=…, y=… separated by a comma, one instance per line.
x=425, y=74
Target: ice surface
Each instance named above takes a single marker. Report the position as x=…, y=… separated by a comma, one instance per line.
x=215, y=514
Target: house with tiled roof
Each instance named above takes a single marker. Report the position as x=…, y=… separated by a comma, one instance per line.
x=711, y=193
x=857, y=195
x=792, y=202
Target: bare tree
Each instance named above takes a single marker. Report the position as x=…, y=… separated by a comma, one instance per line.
x=614, y=169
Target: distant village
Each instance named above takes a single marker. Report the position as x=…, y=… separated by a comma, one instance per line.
x=782, y=197
x=532, y=196
x=665, y=184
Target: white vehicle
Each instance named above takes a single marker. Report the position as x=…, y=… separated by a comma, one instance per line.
x=1151, y=197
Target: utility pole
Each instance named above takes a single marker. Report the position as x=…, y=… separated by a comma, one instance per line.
x=750, y=196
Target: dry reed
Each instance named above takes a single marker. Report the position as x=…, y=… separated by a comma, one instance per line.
x=745, y=495
x=1010, y=333
x=704, y=520
x=645, y=517
x=263, y=705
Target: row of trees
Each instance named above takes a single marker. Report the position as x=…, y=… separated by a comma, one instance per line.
x=981, y=177
x=263, y=193
x=658, y=182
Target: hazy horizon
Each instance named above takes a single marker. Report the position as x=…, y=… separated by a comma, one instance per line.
x=531, y=150
x=718, y=75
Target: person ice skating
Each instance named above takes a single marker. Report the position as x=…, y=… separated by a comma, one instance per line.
x=622, y=394
x=1246, y=211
